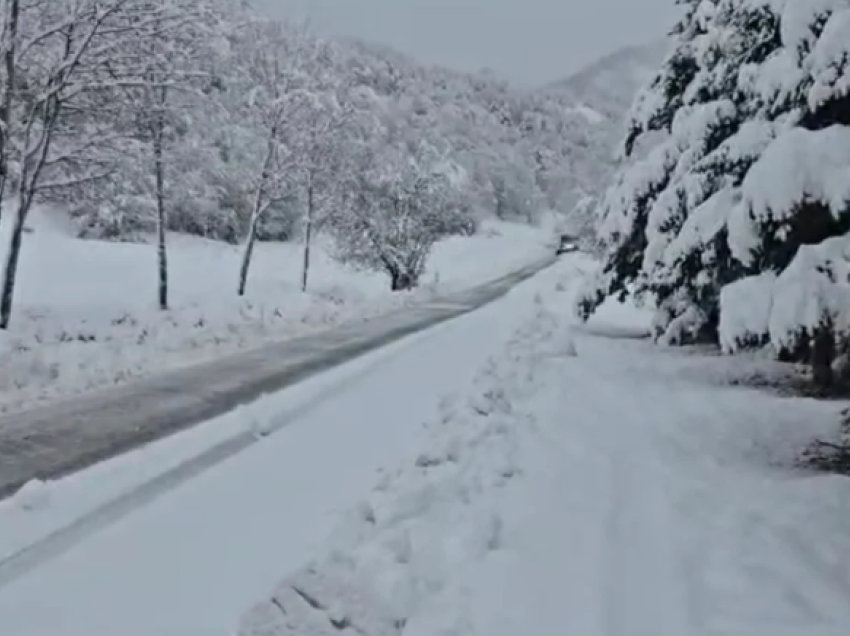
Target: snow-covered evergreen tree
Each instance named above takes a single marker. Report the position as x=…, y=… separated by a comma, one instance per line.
x=736, y=225
x=790, y=223
x=664, y=219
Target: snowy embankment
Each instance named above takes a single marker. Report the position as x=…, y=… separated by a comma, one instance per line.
x=85, y=315
x=589, y=482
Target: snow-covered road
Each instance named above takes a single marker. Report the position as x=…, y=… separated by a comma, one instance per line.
x=193, y=560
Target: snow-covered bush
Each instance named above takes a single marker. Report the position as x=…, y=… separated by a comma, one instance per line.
x=406, y=199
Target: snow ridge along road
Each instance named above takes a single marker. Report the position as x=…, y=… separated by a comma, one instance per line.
x=58, y=439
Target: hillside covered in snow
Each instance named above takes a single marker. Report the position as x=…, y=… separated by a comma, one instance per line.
x=609, y=85
x=213, y=179
x=602, y=94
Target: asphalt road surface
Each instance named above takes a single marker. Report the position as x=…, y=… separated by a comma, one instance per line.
x=61, y=438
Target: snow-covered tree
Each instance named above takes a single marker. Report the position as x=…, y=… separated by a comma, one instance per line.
x=735, y=226
x=664, y=219
x=321, y=162
x=160, y=71
x=791, y=220
x=58, y=56
x=403, y=201
x=196, y=116
x=280, y=88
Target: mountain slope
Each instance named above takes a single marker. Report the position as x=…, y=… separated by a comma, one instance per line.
x=597, y=100
x=609, y=84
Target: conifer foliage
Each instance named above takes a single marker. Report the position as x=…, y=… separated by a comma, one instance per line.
x=734, y=226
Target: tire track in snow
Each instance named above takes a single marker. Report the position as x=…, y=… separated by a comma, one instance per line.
x=644, y=587
x=805, y=584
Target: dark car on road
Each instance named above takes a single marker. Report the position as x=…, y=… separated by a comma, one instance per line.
x=566, y=244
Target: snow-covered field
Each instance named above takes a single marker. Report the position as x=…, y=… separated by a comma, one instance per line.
x=86, y=315
x=588, y=483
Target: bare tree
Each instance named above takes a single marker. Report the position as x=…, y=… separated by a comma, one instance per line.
x=160, y=72
x=280, y=89
x=321, y=161
x=59, y=47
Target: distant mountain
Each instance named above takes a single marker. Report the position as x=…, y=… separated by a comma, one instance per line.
x=597, y=99
x=609, y=85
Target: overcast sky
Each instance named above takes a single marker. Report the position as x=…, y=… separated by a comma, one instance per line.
x=527, y=41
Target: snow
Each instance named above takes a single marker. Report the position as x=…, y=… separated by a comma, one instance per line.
x=816, y=37
x=534, y=475
x=618, y=209
x=587, y=483
x=799, y=163
x=745, y=311
x=85, y=315
x=830, y=57
x=812, y=291
x=591, y=115
x=193, y=559
x=33, y=495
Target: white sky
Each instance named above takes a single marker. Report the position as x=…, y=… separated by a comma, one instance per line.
x=527, y=41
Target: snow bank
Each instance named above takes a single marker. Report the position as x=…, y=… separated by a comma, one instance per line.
x=86, y=317
x=33, y=495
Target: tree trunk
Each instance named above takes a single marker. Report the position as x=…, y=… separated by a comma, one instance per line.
x=161, y=219
x=402, y=281
x=257, y=210
x=823, y=355
x=308, y=235
x=249, y=251
x=10, y=63
x=10, y=269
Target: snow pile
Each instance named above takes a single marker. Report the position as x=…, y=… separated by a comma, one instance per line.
x=33, y=495
x=86, y=316
x=395, y=554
